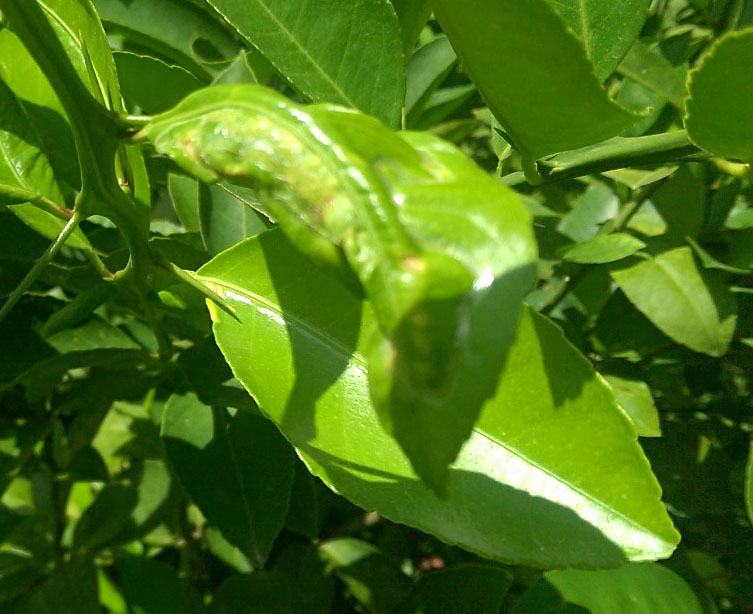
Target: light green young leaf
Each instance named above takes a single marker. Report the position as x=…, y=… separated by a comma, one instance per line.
x=718, y=113
x=607, y=28
x=237, y=469
x=532, y=72
x=561, y=483
x=26, y=175
x=634, y=396
x=604, y=248
x=638, y=588
x=351, y=57
x=691, y=306
x=344, y=189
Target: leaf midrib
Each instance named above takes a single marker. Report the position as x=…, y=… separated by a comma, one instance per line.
x=292, y=39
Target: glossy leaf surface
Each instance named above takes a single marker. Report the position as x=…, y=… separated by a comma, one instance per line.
x=351, y=57
x=719, y=117
x=343, y=187
x=509, y=48
x=561, y=483
x=238, y=470
x=607, y=28
x=690, y=306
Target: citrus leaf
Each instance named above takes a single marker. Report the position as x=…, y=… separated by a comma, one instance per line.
x=351, y=57
x=237, y=469
x=604, y=248
x=639, y=588
x=607, y=28
x=551, y=476
x=532, y=72
x=689, y=305
x=343, y=187
x=718, y=113
x=749, y=485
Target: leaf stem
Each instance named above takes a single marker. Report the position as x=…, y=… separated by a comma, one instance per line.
x=610, y=155
x=41, y=263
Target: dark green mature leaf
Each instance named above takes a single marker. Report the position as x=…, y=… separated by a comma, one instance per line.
x=237, y=469
x=681, y=201
x=153, y=587
x=532, y=72
x=749, y=484
x=425, y=71
x=412, y=15
x=104, y=519
x=638, y=588
x=561, y=483
x=176, y=30
x=719, y=116
x=71, y=589
x=151, y=84
x=465, y=589
x=370, y=578
x=225, y=220
x=604, y=248
x=607, y=28
x=344, y=187
x=295, y=583
x=184, y=195
x=351, y=57
x=652, y=70
x=691, y=306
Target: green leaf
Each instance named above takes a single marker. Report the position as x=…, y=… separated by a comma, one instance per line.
x=607, y=28
x=179, y=31
x=604, y=248
x=71, y=589
x=691, y=306
x=303, y=514
x=412, y=15
x=464, y=589
x=351, y=57
x=26, y=174
x=749, y=484
x=23, y=76
x=104, y=519
x=295, y=583
x=151, y=84
x=184, y=195
x=718, y=114
x=532, y=72
x=681, y=201
x=639, y=588
x=646, y=65
x=153, y=587
x=562, y=483
x=425, y=71
x=596, y=205
x=634, y=396
x=225, y=220
x=370, y=578
x=343, y=187
x=237, y=469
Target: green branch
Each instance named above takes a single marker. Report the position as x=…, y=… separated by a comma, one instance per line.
x=41, y=263
x=670, y=147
